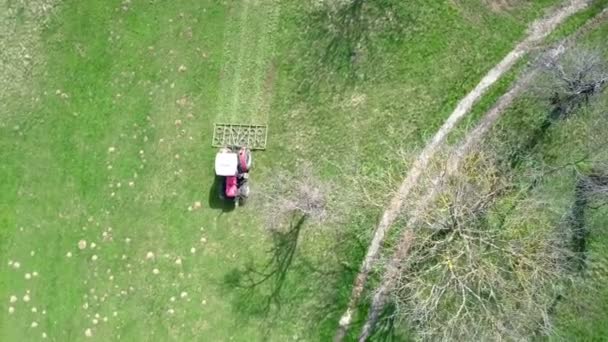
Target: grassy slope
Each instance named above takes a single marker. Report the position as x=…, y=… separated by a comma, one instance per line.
x=252, y=61
x=580, y=315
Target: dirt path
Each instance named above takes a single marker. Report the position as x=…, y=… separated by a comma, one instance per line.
x=538, y=31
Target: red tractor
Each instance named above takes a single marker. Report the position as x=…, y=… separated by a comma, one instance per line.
x=232, y=165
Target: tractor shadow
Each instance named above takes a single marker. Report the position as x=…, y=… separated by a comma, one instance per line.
x=215, y=202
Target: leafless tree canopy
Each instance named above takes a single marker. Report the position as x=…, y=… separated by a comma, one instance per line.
x=571, y=80
x=472, y=275
x=295, y=196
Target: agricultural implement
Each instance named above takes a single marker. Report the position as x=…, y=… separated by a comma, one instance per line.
x=251, y=136
x=233, y=160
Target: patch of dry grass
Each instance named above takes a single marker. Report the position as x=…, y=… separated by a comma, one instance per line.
x=21, y=57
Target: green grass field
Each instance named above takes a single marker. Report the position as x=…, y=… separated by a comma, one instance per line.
x=105, y=134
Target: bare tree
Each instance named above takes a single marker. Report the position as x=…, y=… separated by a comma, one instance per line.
x=467, y=278
x=571, y=80
x=301, y=195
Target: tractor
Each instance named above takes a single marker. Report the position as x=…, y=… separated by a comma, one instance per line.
x=233, y=160
x=232, y=166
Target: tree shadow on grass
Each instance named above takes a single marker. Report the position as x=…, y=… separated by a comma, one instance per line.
x=288, y=283
x=386, y=326
x=345, y=36
x=583, y=196
x=538, y=135
x=263, y=285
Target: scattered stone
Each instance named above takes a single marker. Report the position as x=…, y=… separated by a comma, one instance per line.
x=28, y=276
x=88, y=332
x=155, y=271
x=68, y=254
x=172, y=299
x=203, y=239
x=197, y=205
x=26, y=298
x=13, y=299
x=111, y=149
x=11, y=310
x=34, y=324
x=35, y=274
x=171, y=311
x=183, y=294
x=93, y=245
x=94, y=257
x=44, y=335
x=182, y=68
x=32, y=253
x=16, y=265
x=178, y=261
x=34, y=310
x=192, y=250
x=150, y=255
x=82, y=244
x=94, y=321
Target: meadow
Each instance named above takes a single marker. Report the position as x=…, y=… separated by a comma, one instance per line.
x=110, y=228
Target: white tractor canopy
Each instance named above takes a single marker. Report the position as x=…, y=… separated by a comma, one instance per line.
x=226, y=163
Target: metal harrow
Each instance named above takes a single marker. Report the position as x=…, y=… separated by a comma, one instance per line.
x=252, y=136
